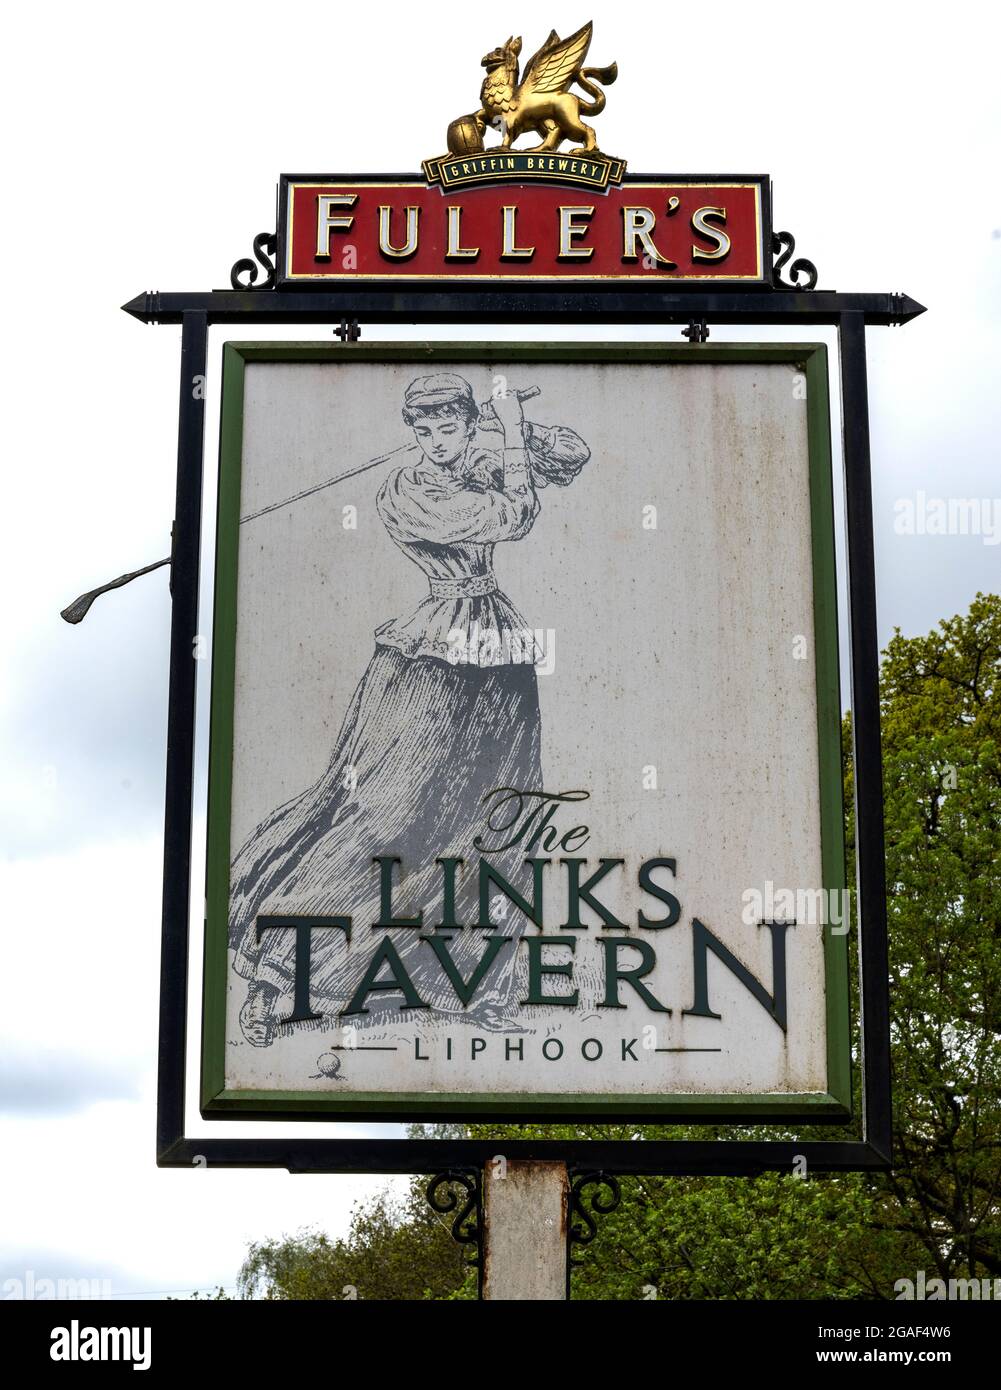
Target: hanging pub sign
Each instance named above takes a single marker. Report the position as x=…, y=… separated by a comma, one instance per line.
x=525, y=788
x=525, y=734
x=525, y=720
x=540, y=213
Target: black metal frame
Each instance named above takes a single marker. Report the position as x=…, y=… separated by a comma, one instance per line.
x=582, y=304
x=576, y=302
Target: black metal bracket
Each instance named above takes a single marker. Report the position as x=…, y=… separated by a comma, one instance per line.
x=582, y=1225
x=349, y=331
x=697, y=331
x=265, y=246
x=467, y=1204
x=783, y=246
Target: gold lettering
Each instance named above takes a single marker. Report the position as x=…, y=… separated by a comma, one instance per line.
x=328, y=221
x=637, y=226
x=571, y=228
x=456, y=251
x=700, y=225
x=409, y=247
x=511, y=251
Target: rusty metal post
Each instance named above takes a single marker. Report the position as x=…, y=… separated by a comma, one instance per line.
x=524, y=1230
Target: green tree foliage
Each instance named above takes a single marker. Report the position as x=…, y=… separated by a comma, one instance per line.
x=779, y=1235
x=941, y=725
x=394, y=1249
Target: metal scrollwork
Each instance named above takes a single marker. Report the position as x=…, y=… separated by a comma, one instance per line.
x=584, y=1231
x=783, y=245
x=467, y=1223
x=265, y=246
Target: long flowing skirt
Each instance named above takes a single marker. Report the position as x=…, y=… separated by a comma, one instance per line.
x=422, y=744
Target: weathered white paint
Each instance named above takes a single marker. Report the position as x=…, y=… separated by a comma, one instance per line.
x=673, y=649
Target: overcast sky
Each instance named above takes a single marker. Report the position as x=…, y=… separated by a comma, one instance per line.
x=142, y=148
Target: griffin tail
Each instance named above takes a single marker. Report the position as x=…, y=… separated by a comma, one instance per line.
x=605, y=75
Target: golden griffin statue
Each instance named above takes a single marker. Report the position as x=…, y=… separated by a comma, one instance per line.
x=540, y=101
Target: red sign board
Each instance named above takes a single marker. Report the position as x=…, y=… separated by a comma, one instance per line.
x=334, y=228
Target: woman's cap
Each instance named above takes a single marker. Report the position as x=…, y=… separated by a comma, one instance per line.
x=440, y=389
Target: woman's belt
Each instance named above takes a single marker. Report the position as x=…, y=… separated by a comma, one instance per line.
x=472, y=586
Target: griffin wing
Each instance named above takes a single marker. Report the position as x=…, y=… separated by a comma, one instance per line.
x=557, y=62
x=547, y=47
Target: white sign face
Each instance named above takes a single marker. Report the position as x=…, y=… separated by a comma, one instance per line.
x=525, y=778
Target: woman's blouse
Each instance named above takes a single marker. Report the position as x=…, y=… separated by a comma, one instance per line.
x=447, y=519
